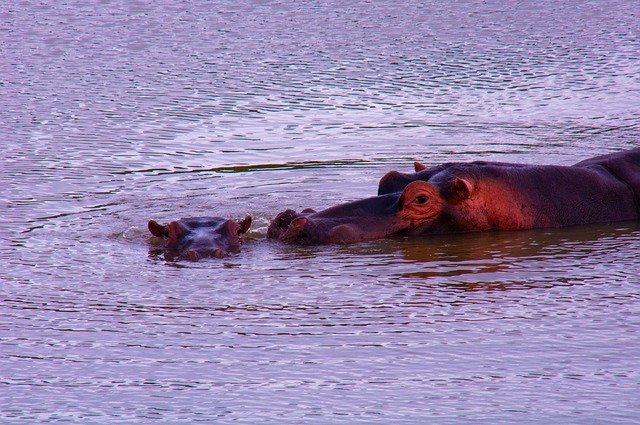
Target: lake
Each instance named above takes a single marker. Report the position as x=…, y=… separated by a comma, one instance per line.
x=116, y=112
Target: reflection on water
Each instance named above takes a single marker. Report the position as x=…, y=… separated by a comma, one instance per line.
x=509, y=256
x=118, y=112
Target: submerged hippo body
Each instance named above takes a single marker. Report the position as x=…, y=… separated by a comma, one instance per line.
x=199, y=237
x=476, y=196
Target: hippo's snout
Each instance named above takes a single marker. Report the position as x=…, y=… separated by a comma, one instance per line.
x=366, y=219
x=289, y=226
x=280, y=224
x=409, y=211
x=313, y=231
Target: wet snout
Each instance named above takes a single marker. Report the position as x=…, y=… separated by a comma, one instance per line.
x=366, y=219
x=312, y=231
x=280, y=224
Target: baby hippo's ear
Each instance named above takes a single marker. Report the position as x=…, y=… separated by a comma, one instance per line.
x=418, y=166
x=244, y=225
x=461, y=188
x=158, y=229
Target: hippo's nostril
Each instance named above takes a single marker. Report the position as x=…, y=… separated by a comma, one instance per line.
x=299, y=222
x=218, y=253
x=296, y=231
x=192, y=255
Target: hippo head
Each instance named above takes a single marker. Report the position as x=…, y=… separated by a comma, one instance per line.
x=195, y=238
x=417, y=207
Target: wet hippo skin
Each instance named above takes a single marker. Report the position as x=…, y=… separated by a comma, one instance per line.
x=476, y=196
x=199, y=237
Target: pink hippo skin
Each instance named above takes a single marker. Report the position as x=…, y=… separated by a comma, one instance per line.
x=476, y=196
x=199, y=237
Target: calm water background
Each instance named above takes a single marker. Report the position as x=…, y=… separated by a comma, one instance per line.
x=115, y=112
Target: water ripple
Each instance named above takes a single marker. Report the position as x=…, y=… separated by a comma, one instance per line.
x=123, y=111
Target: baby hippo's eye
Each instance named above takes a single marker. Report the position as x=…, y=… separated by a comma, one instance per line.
x=422, y=199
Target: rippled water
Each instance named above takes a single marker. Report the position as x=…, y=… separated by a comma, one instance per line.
x=115, y=112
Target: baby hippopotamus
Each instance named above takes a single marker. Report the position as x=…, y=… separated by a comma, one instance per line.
x=477, y=196
x=199, y=237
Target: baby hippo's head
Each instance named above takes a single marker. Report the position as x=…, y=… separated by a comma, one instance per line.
x=198, y=237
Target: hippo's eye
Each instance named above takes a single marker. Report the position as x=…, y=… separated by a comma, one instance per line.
x=422, y=199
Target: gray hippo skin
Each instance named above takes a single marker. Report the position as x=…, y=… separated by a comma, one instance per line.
x=476, y=196
x=200, y=237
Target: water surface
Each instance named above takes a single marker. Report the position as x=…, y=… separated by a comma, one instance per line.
x=117, y=112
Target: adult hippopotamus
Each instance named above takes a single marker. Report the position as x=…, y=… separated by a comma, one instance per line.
x=477, y=196
x=198, y=237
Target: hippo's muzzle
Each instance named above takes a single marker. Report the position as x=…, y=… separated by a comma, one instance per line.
x=367, y=219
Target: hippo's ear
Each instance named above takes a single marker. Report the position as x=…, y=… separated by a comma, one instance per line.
x=244, y=225
x=158, y=229
x=461, y=188
x=418, y=166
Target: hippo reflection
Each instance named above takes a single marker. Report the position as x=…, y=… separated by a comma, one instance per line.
x=476, y=196
x=198, y=237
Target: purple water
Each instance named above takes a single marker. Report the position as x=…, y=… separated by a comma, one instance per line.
x=115, y=112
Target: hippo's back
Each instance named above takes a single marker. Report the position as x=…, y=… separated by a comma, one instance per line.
x=623, y=165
